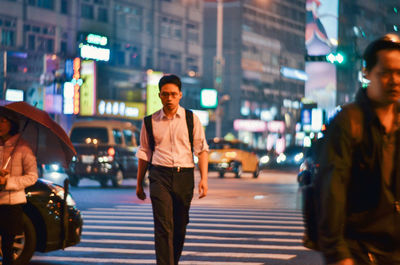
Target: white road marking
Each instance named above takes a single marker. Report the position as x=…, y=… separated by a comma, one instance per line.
x=241, y=226
x=82, y=260
x=197, y=237
x=128, y=227
x=220, y=212
x=191, y=230
x=185, y=253
x=192, y=219
x=191, y=244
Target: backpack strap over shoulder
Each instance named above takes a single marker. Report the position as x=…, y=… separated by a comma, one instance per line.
x=149, y=129
x=190, y=126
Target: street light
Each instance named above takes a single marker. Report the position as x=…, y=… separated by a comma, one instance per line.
x=219, y=66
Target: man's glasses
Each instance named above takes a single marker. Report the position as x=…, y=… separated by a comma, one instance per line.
x=166, y=94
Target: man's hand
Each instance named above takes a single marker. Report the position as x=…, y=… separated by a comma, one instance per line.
x=140, y=192
x=203, y=188
x=344, y=262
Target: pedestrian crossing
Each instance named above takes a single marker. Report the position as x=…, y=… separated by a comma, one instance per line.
x=124, y=235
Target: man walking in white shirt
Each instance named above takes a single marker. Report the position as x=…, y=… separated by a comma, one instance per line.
x=168, y=150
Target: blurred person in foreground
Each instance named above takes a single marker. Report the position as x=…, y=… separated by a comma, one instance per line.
x=171, y=172
x=17, y=174
x=359, y=220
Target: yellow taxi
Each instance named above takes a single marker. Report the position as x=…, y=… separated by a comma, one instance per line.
x=232, y=156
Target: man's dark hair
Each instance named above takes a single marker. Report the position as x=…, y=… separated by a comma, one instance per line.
x=170, y=79
x=387, y=42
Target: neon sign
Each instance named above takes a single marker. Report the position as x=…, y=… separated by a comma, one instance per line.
x=77, y=82
x=96, y=39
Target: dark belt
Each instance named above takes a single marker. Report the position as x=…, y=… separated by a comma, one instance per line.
x=173, y=169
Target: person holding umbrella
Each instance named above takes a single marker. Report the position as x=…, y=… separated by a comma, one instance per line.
x=18, y=171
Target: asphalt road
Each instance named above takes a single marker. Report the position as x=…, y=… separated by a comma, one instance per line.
x=241, y=221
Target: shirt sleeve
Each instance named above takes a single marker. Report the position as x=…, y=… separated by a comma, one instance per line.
x=144, y=152
x=29, y=170
x=335, y=164
x=199, y=138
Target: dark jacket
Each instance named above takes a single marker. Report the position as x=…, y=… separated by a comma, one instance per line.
x=355, y=202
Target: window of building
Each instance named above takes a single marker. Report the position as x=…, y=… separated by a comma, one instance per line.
x=31, y=42
x=47, y=4
x=102, y=14
x=192, y=64
x=63, y=47
x=149, y=59
x=64, y=8
x=7, y=31
x=39, y=37
x=120, y=58
x=130, y=16
x=7, y=37
x=171, y=28
x=192, y=32
x=87, y=11
x=164, y=62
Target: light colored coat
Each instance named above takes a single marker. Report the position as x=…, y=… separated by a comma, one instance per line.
x=22, y=168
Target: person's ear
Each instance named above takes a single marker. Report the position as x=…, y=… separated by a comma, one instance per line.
x=365, y=73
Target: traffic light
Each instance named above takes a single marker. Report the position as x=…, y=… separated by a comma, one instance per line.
x=335, y=58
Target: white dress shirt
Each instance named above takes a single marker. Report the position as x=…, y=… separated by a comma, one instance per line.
x=171, y=137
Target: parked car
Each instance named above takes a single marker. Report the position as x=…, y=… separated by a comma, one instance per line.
x=43, y=226
x=106, y=150
x=292, y=157
x=53, y=172
x=232, y=156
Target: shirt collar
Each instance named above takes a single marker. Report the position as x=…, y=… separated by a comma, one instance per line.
x=179, y=113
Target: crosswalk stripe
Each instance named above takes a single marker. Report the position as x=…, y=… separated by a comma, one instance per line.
x=191, y=230
x=186, y=253
x=82, y=260
x=211, y=208
x=114, y=213
x=266, y=213
x=242, y=226
x=214, y=236
x=198, y=237
x=191, y=244
x=150, y=218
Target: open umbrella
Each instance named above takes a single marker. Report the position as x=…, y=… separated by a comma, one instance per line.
x=48, y=140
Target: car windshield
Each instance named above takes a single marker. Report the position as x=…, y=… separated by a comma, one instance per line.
x=81, y=135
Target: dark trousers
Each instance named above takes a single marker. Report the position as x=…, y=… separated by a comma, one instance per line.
x=171, y=193
x=10, y=226
x=7, y=241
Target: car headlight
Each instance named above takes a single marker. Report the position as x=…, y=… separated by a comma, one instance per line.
x=264, y=159
x=298, y=157
x=59, y=192
x=281, y=158
x=105, y=159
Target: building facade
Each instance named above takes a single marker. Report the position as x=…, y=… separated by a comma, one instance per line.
x=38, y=37
x=263, y=52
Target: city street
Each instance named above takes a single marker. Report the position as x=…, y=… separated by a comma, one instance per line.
x=241, y=221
